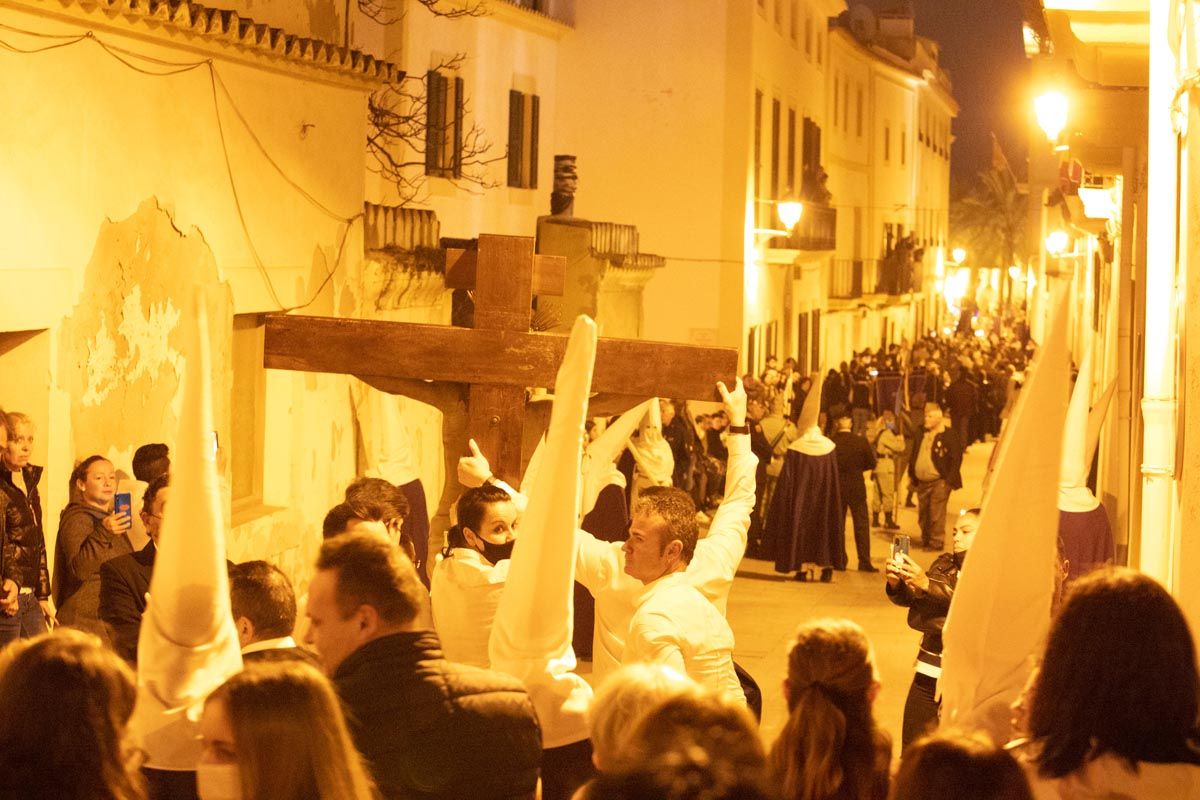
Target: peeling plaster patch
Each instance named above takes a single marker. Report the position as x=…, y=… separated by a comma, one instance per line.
x=102, y=372
x=117, y=353
x=148, y=335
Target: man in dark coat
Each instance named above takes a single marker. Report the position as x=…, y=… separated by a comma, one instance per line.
x=263, y=605
x=125, y=580
x=854, y=457
x=934, y=469
x=962, y=398
x=428, y=729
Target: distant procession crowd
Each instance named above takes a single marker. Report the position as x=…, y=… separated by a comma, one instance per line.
x=160, y=671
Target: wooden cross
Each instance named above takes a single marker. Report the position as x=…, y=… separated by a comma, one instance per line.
x=499, y=357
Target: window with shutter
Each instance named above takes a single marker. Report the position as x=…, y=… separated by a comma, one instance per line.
x=522, y=139
x=791, y=150
x=444, y=111
x=775, y=146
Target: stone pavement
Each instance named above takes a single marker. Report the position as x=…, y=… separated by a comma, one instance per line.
x=765, y=608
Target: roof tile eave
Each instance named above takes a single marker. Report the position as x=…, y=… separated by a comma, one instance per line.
x=227, y=26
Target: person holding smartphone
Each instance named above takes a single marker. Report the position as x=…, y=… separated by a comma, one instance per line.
x=927, y=595
x=90, y=532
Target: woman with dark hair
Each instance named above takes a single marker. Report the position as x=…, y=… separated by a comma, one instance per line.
x=89, y=533
x=1113, y=709
x=275, y=731
x=67, y=701
x=467, y=582
x=830, y=747
x=949, y=766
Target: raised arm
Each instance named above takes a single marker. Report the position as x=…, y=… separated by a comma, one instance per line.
x=474, y=470
x=719, y=553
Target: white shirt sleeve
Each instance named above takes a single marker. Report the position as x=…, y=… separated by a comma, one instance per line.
x=719, y=553
x=595, y=560
x=653, y=639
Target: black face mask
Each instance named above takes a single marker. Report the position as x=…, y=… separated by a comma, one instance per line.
x=496, y=553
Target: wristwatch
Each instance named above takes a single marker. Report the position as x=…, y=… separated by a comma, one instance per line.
x=740, y=428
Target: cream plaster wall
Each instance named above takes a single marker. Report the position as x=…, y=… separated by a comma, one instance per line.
x=510, y=48
x=118, y=207
x=642, y=127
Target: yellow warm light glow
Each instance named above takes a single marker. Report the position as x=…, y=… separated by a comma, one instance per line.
x=789, y=212
x=1057, y=243
x=1051, y=109
x=1015, y=273
x=958, y=255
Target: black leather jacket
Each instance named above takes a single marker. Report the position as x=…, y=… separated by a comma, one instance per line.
x=434, y=730
x=24, y=544
x=927, y=610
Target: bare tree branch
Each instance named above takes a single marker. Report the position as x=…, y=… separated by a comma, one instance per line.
x=386, y=12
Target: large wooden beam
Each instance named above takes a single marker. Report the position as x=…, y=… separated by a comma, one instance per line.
x=549, y=272
x=503, y=358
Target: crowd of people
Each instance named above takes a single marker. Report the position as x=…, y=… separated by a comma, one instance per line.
x=397, y=680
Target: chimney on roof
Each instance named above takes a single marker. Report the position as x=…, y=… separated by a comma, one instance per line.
x=562, y=198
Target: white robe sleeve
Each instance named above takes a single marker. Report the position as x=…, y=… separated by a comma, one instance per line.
x=718, y=554
x=531, y=635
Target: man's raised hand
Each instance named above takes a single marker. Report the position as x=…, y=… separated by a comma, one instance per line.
x=735, y=402
x=474, y=470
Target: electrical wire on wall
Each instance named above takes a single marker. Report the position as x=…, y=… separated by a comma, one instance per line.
x=166, y=68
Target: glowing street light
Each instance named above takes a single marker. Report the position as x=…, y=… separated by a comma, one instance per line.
x=1051, y=109
x=789, y=212
x=958, y=255
x=1057, y=243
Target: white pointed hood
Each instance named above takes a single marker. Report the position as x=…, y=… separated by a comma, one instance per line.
x=812, y=442
x=531, y=634
x=1001, y=610
x=599, y=459
x=650, y=450
x=188, y=645
x=1096, y=420
x=1073, y=493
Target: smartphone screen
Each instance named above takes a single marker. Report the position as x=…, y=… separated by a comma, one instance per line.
x=900, y=544
x=123, y=504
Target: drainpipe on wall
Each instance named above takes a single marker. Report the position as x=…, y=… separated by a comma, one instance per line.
x=1159, y=500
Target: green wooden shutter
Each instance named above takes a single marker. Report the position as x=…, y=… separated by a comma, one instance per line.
x=516, y=138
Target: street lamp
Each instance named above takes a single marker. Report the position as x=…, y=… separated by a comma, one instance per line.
x=789, y=211
x=958, y=255
x=1051, y=109
x=1057, y=243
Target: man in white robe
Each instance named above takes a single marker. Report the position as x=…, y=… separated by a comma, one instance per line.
x=600, y=565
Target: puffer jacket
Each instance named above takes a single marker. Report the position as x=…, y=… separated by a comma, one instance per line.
x=927, y=610
x=83, y=545
x=25, y=552
x=431, y=729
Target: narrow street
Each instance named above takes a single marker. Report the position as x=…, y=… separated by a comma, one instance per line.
x=765, y=607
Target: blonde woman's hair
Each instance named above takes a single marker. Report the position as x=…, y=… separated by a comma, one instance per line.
x=66, y=704
x=701, y=730
x=291, y=738
x=623, y=699
x=830, y=746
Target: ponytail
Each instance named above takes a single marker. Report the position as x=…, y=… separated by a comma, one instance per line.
x=454, y=538
x=806, y=758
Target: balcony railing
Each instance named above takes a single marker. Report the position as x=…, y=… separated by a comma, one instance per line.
x=817, y=230
x=897, y=277
x=850, y=279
